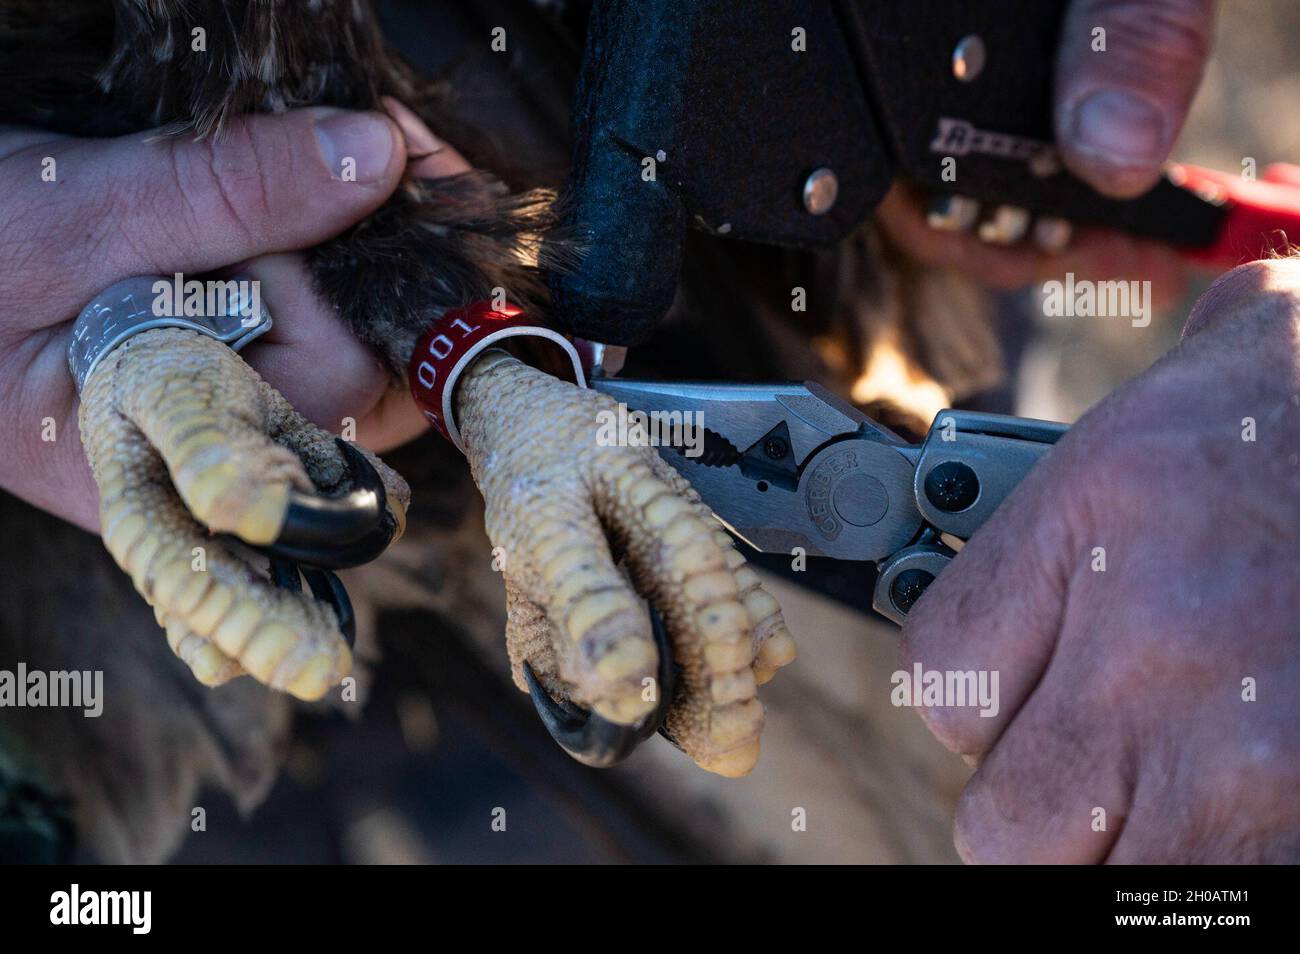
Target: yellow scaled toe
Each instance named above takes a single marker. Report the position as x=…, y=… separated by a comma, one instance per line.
x=565, y=505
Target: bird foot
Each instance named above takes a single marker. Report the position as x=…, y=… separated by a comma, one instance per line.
x=197, y=460
x=585, y=531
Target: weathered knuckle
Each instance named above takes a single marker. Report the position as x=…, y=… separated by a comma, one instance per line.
x=1268, y=289
x=182, y=204
x=219, y=182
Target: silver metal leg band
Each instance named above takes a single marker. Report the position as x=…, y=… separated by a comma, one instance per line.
x=230, y=311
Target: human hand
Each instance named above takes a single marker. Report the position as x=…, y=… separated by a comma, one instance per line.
x=1163, y=689
x=115, y=208
x=1117, y=116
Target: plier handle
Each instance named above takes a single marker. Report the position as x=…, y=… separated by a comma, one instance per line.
x=966, y=466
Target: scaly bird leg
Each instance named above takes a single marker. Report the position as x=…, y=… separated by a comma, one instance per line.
x=565, y=509
x=185, y=438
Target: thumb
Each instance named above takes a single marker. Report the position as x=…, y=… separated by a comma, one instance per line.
x=138, y=204
x=1126, y=74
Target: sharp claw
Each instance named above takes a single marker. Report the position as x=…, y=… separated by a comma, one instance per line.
x=328, y=588
x=325, y=587
x=334, y=533
x=284, y=574
x=592, y=739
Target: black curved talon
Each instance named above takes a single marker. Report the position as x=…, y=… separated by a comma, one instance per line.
x=592, y=739
x=335, y=533
x=328, y=588
x=284, y=574
x=325, y=586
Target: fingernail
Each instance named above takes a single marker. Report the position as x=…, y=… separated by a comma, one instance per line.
x=420, y=140
x=1121, y=128
x=356, y=147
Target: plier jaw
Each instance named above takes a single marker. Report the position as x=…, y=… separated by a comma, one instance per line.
x=808, y=471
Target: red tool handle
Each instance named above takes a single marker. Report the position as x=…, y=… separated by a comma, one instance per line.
x=1263, y=215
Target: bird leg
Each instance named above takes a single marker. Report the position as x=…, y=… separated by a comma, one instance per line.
x=185, y=440
x=567, y=512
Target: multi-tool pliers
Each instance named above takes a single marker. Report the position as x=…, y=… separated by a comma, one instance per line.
x=791, y=468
